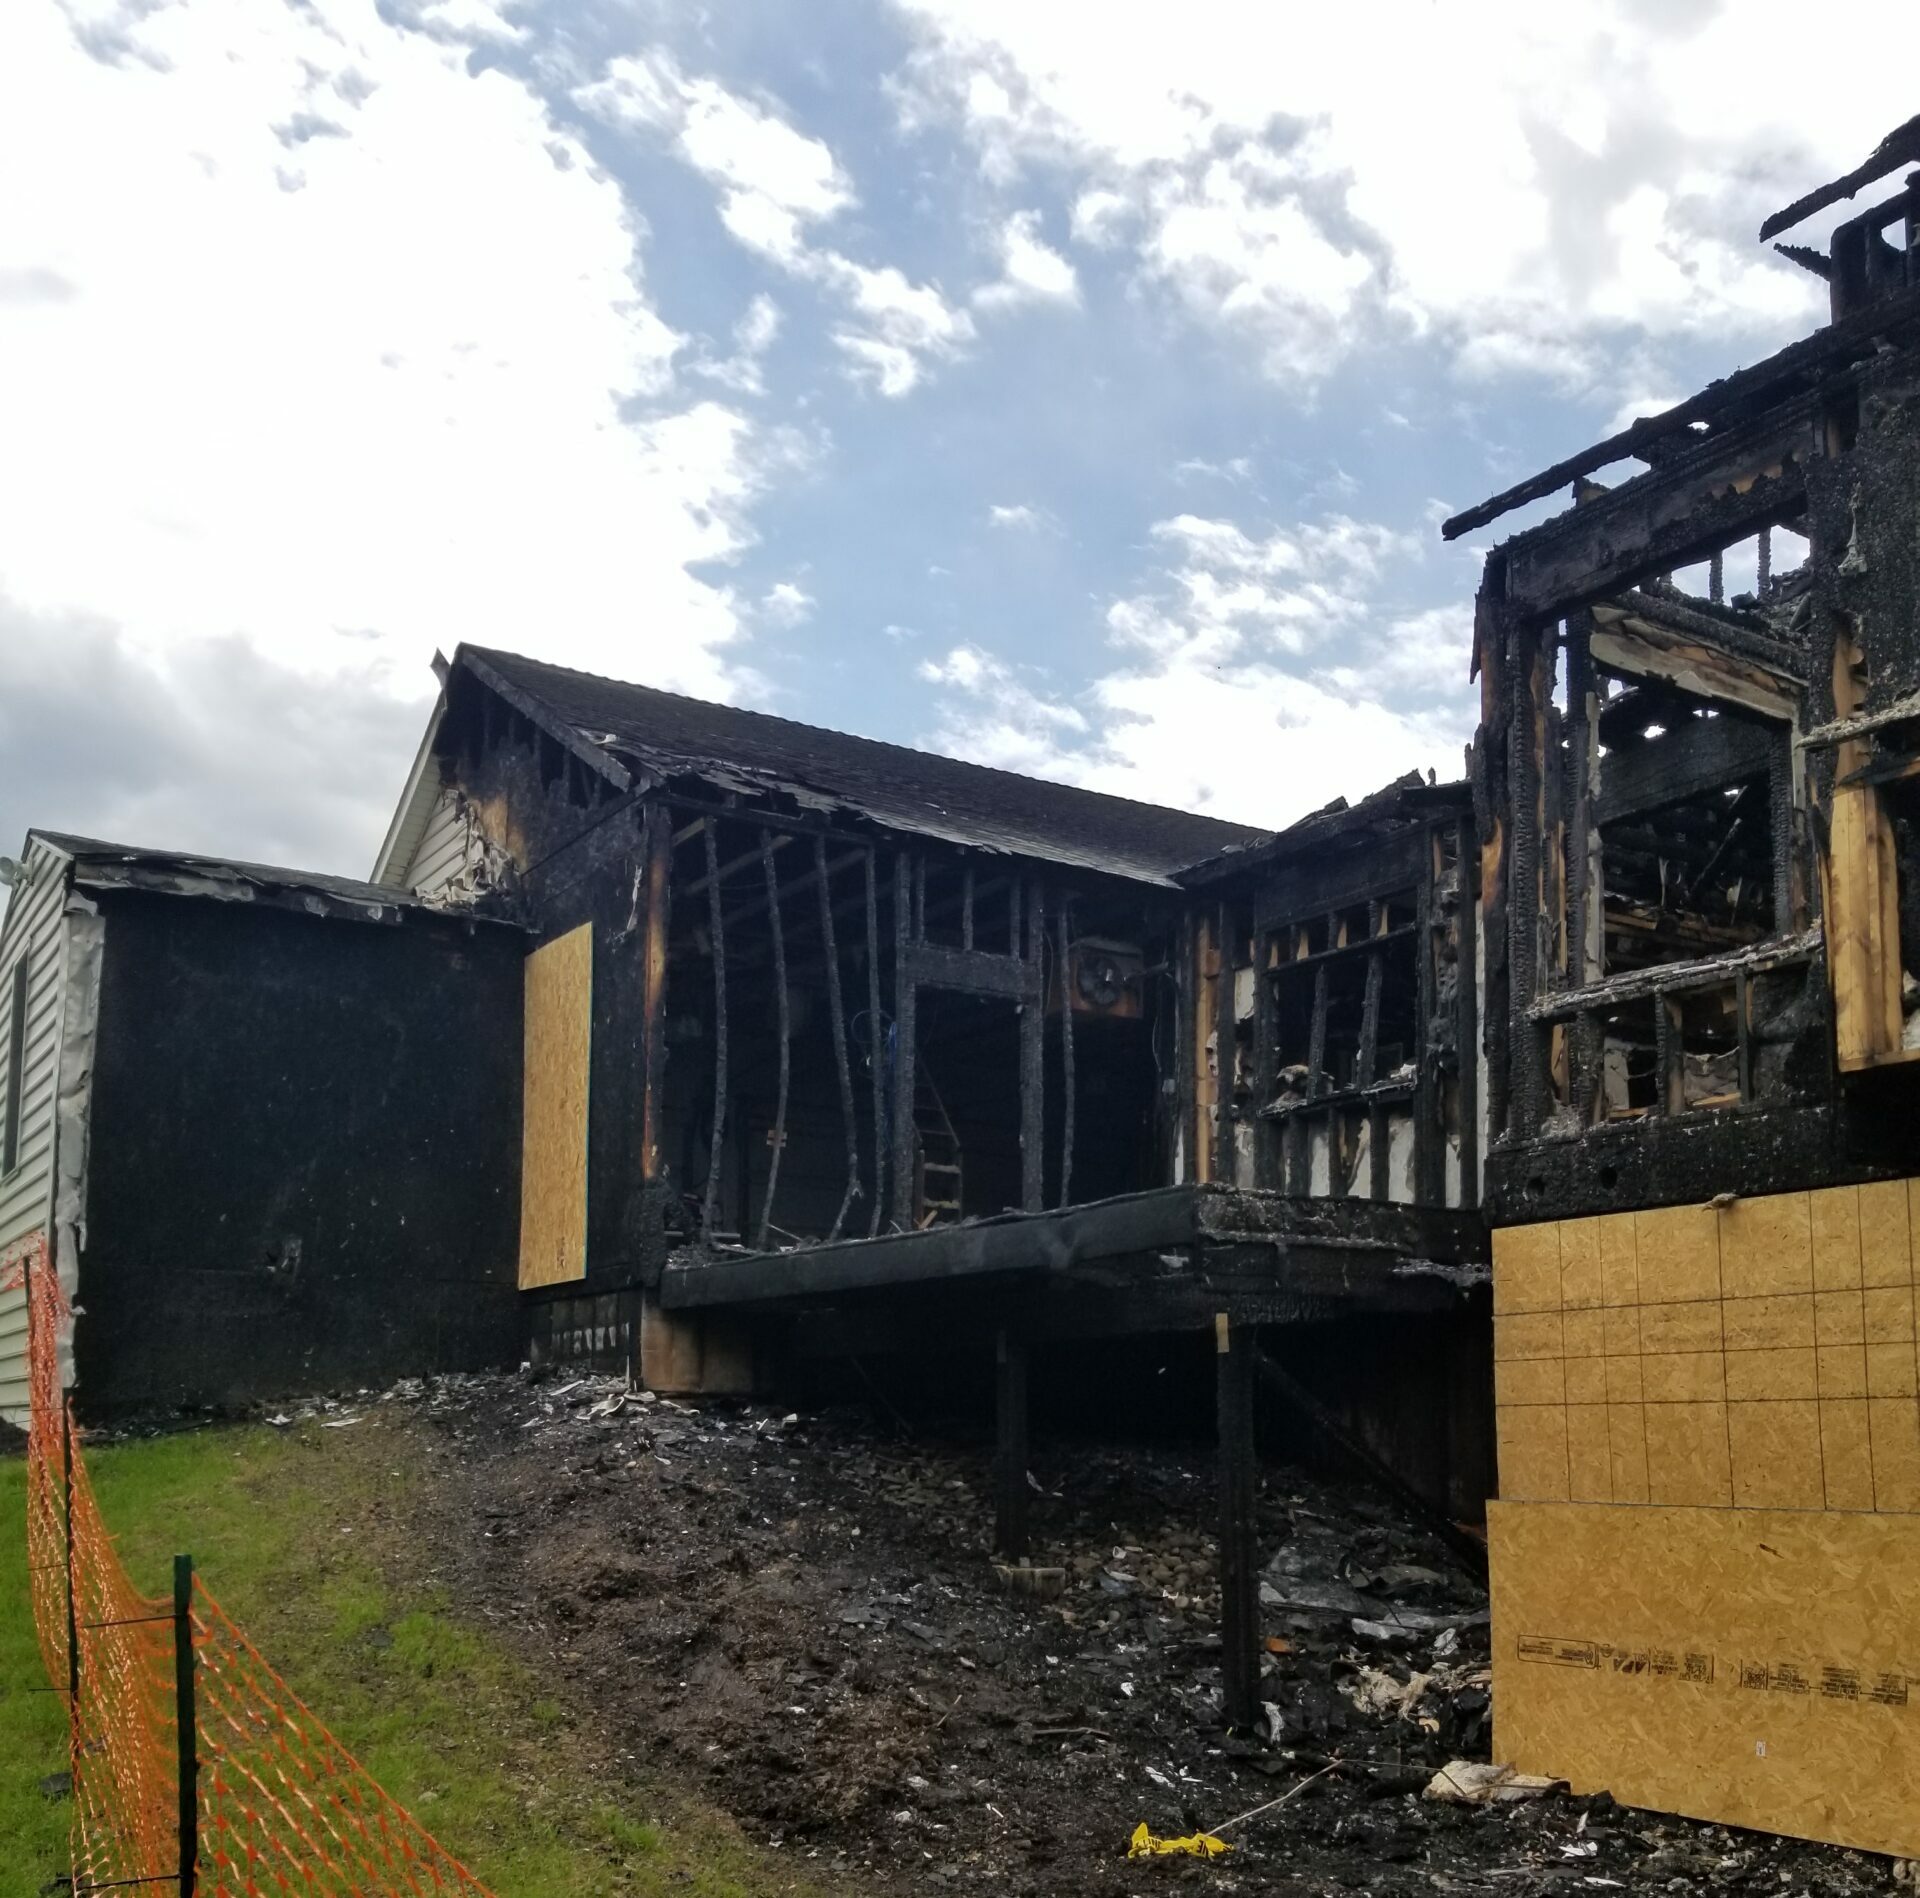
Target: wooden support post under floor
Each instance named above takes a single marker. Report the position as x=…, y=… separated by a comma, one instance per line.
x=1239, y=1553
x=1010, y=1485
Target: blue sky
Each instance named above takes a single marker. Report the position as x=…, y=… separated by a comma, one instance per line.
x=1071, y=387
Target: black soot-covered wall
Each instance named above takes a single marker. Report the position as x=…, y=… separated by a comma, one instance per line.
x=303, y=1171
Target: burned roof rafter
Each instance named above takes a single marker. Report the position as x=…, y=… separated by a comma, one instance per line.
x=1811, y=362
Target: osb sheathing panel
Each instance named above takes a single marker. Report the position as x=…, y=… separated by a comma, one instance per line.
x=1754, y=1667
x=1760, y=1355
x=553, y=1171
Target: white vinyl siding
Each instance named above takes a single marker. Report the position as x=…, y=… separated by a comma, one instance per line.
x=34, y=929
x=446, y=855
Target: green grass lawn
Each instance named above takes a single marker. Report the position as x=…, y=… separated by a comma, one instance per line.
x=302, y=1536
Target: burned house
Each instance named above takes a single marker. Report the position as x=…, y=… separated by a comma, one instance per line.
x=1693, y=779
x=268, y=1119
x=836, y=1047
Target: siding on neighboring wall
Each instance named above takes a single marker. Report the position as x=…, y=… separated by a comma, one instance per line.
x=447, y=851
x=32, y=929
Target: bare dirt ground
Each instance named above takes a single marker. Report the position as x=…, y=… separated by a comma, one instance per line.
x=798, y=1618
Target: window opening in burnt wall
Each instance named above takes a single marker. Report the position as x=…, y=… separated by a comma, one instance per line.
x=1686, y=815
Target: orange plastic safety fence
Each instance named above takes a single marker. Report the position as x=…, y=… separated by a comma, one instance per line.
x=126, y=1743
x=283, y=1808
x=24, y=1267
x=280, y=1796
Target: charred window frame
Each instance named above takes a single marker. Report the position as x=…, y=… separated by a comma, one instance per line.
x=853, y=1033
x=1347, y=1057
x=1659, y=813
x=16, y=1066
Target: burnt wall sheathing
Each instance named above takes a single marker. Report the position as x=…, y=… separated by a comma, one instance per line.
x=305, y=1154
x=580, y=857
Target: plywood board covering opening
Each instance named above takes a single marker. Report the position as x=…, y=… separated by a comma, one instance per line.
x=1754, y=1667
x=553, y=1175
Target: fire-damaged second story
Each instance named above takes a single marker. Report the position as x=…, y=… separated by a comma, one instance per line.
x=841, y=988
x=1337, y=963
x=838, y=988
x=820, y=1032
x=1696, y=768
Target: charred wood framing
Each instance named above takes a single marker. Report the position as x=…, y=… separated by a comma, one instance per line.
x=777, y=1136
x=717, y=936
x=971, y=972
x=1704, y=972
x=1234, y=1350
x=1066, y=1051
x=1467, y=1017
x=1187, y=1056
x=1033, y=1054
x=906, y=1045
x=657, y=846
x=1364, y=1255
x=1429, y=1135
x=1667, y=518
x=1900, y=147
x=837, y=1022
x=1813, y=356
x=1266, y=1061
x=1493, y=817
x=877, y=1044
x=1729, y=801
x=1226, y=1045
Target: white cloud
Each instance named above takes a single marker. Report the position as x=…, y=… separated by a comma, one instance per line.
x=774, y=180
x=1525, y=186
x=775, y=184
x=1016, y=515
x=786, y=604
x=1255, y=675
x=1030, y=270
x=1005, y=721
x=754, y=334
x=339, y=362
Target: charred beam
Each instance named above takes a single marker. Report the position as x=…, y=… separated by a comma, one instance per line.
x=784, y=1019
x=1239, y=1549
x=1791, y=367
x=1664, y=521
x=1033, y=1052
x=876, y=1046
x=1226, y=1041
x=837, y=1022
x=657, y=846
x=1066, y=1052
x=906, y=1051
x=717, y=933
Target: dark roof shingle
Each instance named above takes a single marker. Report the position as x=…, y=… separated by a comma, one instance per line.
x=914, y=791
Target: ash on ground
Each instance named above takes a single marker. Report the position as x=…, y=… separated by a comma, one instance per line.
x=800, y=1617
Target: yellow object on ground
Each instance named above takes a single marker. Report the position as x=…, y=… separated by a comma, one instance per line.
x=1143, y=1844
